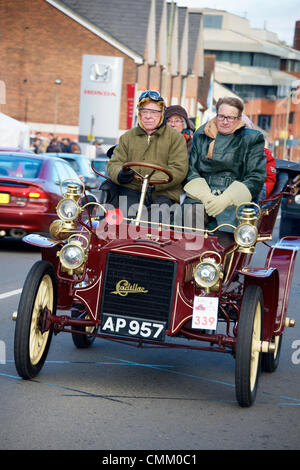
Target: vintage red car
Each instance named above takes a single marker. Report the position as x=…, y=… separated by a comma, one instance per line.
x=129, y=281
x=29, y=191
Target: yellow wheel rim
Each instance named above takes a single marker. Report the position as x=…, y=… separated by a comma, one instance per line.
x=37, y=339
x=276, y=340
x=256, y=337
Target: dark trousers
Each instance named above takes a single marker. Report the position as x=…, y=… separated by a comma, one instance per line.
x=126, y=199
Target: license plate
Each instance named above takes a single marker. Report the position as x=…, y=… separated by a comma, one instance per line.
x=205, y=313
x=4, y=198
x=133, y=327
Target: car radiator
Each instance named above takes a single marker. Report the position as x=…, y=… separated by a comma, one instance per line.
x=138, y=286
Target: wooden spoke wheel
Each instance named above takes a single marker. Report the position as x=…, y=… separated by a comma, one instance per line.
x=248, y=355
x=39, y=295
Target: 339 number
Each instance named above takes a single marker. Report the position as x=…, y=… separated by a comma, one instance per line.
x=203, y=321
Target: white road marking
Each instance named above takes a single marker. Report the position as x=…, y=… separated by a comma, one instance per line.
x=9, y=294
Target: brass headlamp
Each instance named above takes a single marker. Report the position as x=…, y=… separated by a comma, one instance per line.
x=207, y=273
x=67, y=210
x=73, y=255
x=246, y=233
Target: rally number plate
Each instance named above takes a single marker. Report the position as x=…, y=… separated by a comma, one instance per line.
x=133, y=327
x=205, y=313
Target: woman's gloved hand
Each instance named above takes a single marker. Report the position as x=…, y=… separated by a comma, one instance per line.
x=234, y=195
x=125, y=177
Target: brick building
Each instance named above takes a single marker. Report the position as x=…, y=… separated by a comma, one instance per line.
x=43, y=42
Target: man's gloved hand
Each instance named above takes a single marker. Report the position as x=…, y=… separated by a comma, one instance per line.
x=234, y=195
x=125, y=177
x=198, y=188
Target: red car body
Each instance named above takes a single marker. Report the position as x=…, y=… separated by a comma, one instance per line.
x=29, y=192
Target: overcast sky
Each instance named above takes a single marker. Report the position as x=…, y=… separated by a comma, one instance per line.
x=277, y=15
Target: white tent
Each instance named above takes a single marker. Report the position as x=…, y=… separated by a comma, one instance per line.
x=13, y=133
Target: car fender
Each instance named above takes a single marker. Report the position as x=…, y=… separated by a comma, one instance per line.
x=282, y=257
x=268, y=280
x=39, y=240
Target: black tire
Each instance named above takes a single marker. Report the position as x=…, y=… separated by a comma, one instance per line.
x=270, y=361
x=82, y=341
x=248, y=358
x=30, y=344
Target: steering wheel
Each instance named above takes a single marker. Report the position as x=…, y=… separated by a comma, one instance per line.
x=154, y=167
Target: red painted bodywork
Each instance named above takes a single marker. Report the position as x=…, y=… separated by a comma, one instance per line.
x=274, y=277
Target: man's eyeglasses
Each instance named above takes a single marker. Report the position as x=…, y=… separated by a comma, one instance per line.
x=222, y=117
x=152, y=112
x=152, y=94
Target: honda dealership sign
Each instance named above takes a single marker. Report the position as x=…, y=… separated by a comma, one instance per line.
x=100, y=98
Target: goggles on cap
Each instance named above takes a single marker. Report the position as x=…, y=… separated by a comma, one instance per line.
x=152, y=94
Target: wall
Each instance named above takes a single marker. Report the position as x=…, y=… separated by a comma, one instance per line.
x=40, y=44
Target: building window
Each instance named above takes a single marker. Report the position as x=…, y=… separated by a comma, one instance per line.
x=250, y=92
x=254, y=59
x=291, y=117
x=213, y=21
x=293, y=65
x=266, y=61
x=264, y=121
x=246, y=58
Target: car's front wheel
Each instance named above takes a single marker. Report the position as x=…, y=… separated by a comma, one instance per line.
x=248, y=355
x=31, y=343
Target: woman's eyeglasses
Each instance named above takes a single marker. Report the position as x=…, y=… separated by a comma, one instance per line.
x=175, y=121
x=222, y=117
x=152, y=94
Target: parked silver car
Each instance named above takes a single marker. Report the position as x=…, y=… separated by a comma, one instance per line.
x=82, y=166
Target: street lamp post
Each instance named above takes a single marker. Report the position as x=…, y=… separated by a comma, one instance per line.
x=276, y=145
x=166, y=70
x=287, y=117
x=57, y=83
x=292, y=96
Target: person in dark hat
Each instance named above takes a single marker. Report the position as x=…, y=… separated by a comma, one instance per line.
x=177, y=118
